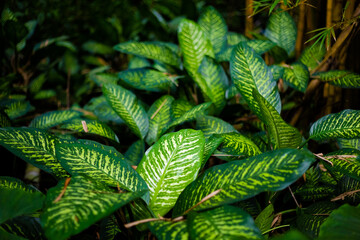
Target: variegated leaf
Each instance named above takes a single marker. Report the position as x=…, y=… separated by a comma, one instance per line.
x=345, y=124
x=104, y=78
x=238, y=145
x=16, y=108
x=211, y=144
x=179, y=107
x=341, y=78
x=102, y=110
x=249, y=71
x=164, y=230
x=260, y=46
x=234, y=38
x=170, y=165
x=125, y=104
x=24, y=227
x=135, y=152
x=212, y=125
x=109, y=228
x=349, y=143
x=14, y=183
x=53, y=118
x=242, y=179
x=312, y=56
x=83, y=204
x=277, y=71
x=138, y=62
x=296, y=76
x=264, y=220
x=34, y=146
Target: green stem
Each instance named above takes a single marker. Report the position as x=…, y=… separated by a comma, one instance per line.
x=271, y=229
x=303, y=144
x=287, y=211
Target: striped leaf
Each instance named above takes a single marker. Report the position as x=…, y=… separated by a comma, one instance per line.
x=260, y=46
x=345, y=124
x=23, y=227
x=214, y=27
x=93, y=126
x=170, y=165
x=238, y=145
x=135, y=152
x=4, y=119
x=15, y=108
x=99, y=162
x=341, y=78
x=297, y=76
x=125, y=104
x=225, y=222
x=179, y=107
x=164, y=230
x=242, y=179
x=234, y=38
x=277, y=71
x=109, y=228
x=285, y=135
x=34, y=146
x=14, y=183
x=160, y=118
x=314, y=193
x=349, y=143
x=212, y=125
x=44, y=94
x=102, y=110
x=36, y=84
x=281, y=29
x=150, y=50
x=147, y=79
x=83, y=204
x=249, y=71
x=53, y=118
x=211, y=144
x=191, y=114
x=216, y=80
x=312, y=56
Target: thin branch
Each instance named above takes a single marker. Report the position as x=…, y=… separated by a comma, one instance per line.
x=272, y=229
x=202, y=200
x=84, y=126
x=292, y=194
x=320, y=156
x=159, y=108
x=345, y=194
x=132, y=224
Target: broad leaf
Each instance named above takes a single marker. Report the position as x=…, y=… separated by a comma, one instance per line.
x=249, y=71
x=125, y=104
x=264, y=220
x=102, y=110
x=104, y=78
x=212, y=125
x=170, y=165
x=53, y=118
x=285, y=135
x=242, y=179
x=211, y=144
x=179, y=107
x=99, y=162
x=83, y=204
x=277, y=71
x=297, y=76
x=135, y=152
x=14, y=183
x=345, y=124
x=152, y=50
x=238, y=145
x=281, y=29
x=164, y=230
x=138, y=62
x=34, y=146
x=15, y=108
x=260, y=46
x=109, y=228
x=225, y=222
x=234, y=38
x=349, y=143
x=312, y=56
x=341, y=78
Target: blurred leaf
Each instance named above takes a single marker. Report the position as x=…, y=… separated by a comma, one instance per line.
x=104, y=78
x=135, y=152
x=54, y=118
x=97, y=48
x=264, y=220
x=16, y=108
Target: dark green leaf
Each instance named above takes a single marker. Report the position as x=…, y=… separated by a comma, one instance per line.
x=297, y=76
x=53, y=118
x=164, y=230
x=341, y=78
x=135, y=152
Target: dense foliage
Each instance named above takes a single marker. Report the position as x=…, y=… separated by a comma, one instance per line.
x=173, y=127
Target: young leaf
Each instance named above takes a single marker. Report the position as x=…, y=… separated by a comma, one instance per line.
x=170, y=165
x=53, y=118
x=83, y=204
x=34, y=146
x=238, y=145
x=125, y=104
x=225, y=222
x=242, y=179
x=164, y=230
x=99, y=162
x=341, y=78
x=281, y=29
x=249, y=71
x=152, y=50
x=135, y=152
x=297, y=76
x=345, y=124
x=212, y=125
x=285, y=135
x=264, y=220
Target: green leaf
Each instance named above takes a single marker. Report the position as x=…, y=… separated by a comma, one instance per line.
x=147, y=79
x=16, y=202
x=214, y=27
x=99, y=162
x=53, y=118
x=349, y=143
x=83, y=204
x=342, y=223
x=16, y=108
x=36, y=84
x=109, y=228
x=345, y=124
x=24, y=226
x=312, y=56
x=164, y=230
x=281, y=29
x=242, y=179
x=285, y=135
x=8, y=236
x=292, y=234
x=225, y=222
x=211, y=144
x=249, y=71
x=104, y=78
x=179, y=107
x=297, y=76
x=264, y=220
x=170, y=165
x=97, y=48
x=234, y=38
x=138, y=62
x=212, y=125
x=14, y=183
x=4, y=119
x=34, y=146
x=160, y=118
x=238, y=145
x=277, y=71
x=341, y=78
x=152, y=50
x=102, y=110
x=125, y=104
x=260, y=46
x=93, y=126
x=44, y=94
x=135, y=152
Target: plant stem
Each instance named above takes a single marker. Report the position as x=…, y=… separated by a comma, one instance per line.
x=272, y=229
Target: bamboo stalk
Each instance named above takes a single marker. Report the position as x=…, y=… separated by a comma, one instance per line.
x=249, y=22
x=300, y=32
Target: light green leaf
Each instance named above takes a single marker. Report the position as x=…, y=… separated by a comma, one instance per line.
x=53, y=118
x=312, y=56
x=341, y=78
x=260, y=46
x=264, y=220
x=44, y=94
x=84, y=203
x=285, y=135
x=277, y=71
x=104, y=78
x=238, y=145
x=160, y=118
x=234, y=38
x=214, y=27
x=34, y=146
x=135, y=152
x=150, y=50
x=296, y=76
x=99, y=162
x=102, y=110
x=138, y=62
x=225, y=222
x=212, y=125
x=249, y=71
x=281, y=29
x=211, y=144
x=179, y=107
x=349, y=143
x=170, y=165
x=345, y=124
x=242, y=179
x=16, y=108
x=164, y=230
x=97, y=48
x=125, y=104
